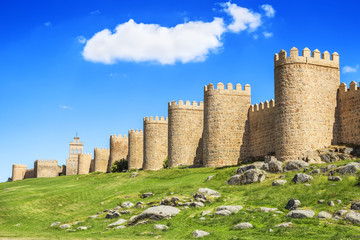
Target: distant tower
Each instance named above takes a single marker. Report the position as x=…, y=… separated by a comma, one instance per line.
x=76, y=148
x=18, y=172
x=305, y=94
x=136, y=152
x=225, y=136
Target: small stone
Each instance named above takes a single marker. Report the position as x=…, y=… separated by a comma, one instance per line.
x=146, y=195
x=117, y=223
x=64, y=226
x=204, y=213
x=266, y=209
x=209, y=192
x=315, y=171
x=335, y=178
x=102, y=203
x=196, y=204
x=353, y=216
x=134, y=174
x=301, y=178
x=284, y=225
x=199, y=233
x=331, y=203
x=117, y=208
x=243, y=225
x=324, y=214
x=120, y=227
x=293, y=204
x=307, y=185
x=279, y=182
x=127, y=204
x=301, y=214
x=230, y=208
x=210, y=177
x=202, y=218
x=55, y=224
x=270, y=230
x=321, y=201
x=82, y=228
x=341, y=213
x=223, y=213
x=338, y=201
x=161, y=227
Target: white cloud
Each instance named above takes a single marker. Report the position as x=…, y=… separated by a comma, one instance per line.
x=268, y=34
x=243, y=18
x=131, y=41
x=348, y=69
x=255, y=36
x=95, y=12
x=47, y=24
x=269, y=10
x=64, y=107
x=81, y=39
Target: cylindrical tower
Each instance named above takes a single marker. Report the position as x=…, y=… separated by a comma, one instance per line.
x=18, y=172
x=118, y=149
x=155, y=142
x=185, y=133
x=84, y=163
x=136, y=151
x=101, y=159
x=225, y=124
x=305, y=94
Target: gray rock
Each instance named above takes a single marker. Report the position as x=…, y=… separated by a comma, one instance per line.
x=117, y=223
x=284, y=225
x=346, y=150
x=311, y=157
x=127, y=204
x=275, y=166
x=301, y=214
x=120, y=227
x=243, y=225
x=156, y=213
x=301, y=178
x=252, y=176
x=234, y=180
x=93, y=216
x=64, y=226
x=331, y=166
x=134, y=174
x=341, y=213
x=266, y=209
x=55, y=224
x=321, y=201
x=204, y=213
x=350, y=168
x=223, y=213
x=199, y=233
x=82, y=228
x=295, y=165
x=231, y=208
x=335, y=178
x=329, y=157
x=146, y=195
x=279, y=182
x=353, y=217
x=293, y=204
x=324, y=214
x=267, y=159
x=209, y=192
x=338, y=201
x=196, y=204
x=161, y=227
x=210, y=177
x=102, y=203
x=355, y=205
x=202, y=218
x=255, y=165
x=315, y=171
x=331, y=203
x=307, y=184
x=117, y=208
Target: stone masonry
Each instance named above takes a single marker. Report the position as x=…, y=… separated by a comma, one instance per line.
x=185, y=133
x=46, y=168
x=84, y=163
x=155, y=142
x=75, y=149
x=118, y=149
x=101, y=159
x=18, y=172
x=136, y=150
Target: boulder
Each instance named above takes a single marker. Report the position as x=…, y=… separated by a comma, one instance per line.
x=324, y=214
x=279, y=182
x=329, y=157
x=127, y=204
x=117, y=223
x=301, y=214
x=156, y=213
x=284, y=225
x=355, y=205
x=315, y=171
x=199, y=233
x=232, y=208
x=293, y=204
x=275, y=166
x=267, y=159
x=161, y=227
x=250, y=176
x=350, y=168
x=301, y=178
x=64, y=226
x=295, y=165
x=223, y=213
x=146, y=195
x=341, y=213
x=255, y=165
x=353, y=217
x=243, y=225
x=209, y=192
x=234, y=180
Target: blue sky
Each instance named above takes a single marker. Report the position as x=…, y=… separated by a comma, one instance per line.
x=62, y=72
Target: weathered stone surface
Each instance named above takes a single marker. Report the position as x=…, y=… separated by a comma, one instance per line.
x=324, y=214
x=117, y=223
x=301, y=214
x=293, y=204
x=146, y=195
x=353, y=216
x=284, y=225
x=250, y=176
x=64, y=226
x=267, y=159
x=223, y=213
x=350, y=168
x=255, y=165
x=341, y=213
x=321, y=201
x=199, y=233
x=295, y=165
x=127, y=204
x=210, y=177
x=279, y=182
x=204, y=213
x=234, y=180
x=161, y=227
x=209, y=192
x=156, y=213
x=355, y=205
x=331, y=203
x=311, y=157
x=329, y=157
x=120, y=227
x=335, y=178
x=196, y=204
x=134, y=174
x=243, y=225
x=232, y=209
x=266, y=209
x=275, y=166
x=301, y=178
x=55, y=224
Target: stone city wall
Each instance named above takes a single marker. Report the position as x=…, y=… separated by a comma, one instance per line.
x=118, y=149
x=84, y=163
x=101, y=158
x=46, y=168
x=136, y=149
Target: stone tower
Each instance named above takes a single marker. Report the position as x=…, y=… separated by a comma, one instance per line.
x=75, y=149
x=305, y=94
x=101, y=159
x=46, y=168
x=18, y=172
x=136, y=150
x=84, y=163
x=118, y=149
x=225, y=124
x=155, y=142
x=185, y=133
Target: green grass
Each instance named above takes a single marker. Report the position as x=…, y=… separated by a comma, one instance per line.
x=36, y=203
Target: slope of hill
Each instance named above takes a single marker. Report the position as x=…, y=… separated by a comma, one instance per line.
x=29, y=207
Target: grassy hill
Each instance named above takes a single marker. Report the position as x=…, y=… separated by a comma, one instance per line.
x=29, y=207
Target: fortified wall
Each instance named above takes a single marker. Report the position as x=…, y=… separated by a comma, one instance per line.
x=84, y=163
x=118, y=149
x=155, y=142
x=185, y=133
x=18, y=172
x=101, y=159
x=46, y=168
x=135, y=152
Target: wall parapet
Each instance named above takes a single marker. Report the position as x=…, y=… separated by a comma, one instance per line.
x=86, y=154
x=135, y=131
x=262, y=106
x=20, y=165
x=44, y=162
x=114, y=136
x=353, y=87
x=220, y=88
x=188, y=105
x=163, y=120
x=316, y=58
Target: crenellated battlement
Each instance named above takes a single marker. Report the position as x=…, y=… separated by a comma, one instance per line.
x=46, y=162
x=101, y=149
x=19, y=166
x=114, y=136
x=188, y=105
x=314, y=58
x=86, y=155
x=353, y=87
x=135, y=131
x=220, y=89
x=163, y=120
x=262, y=106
